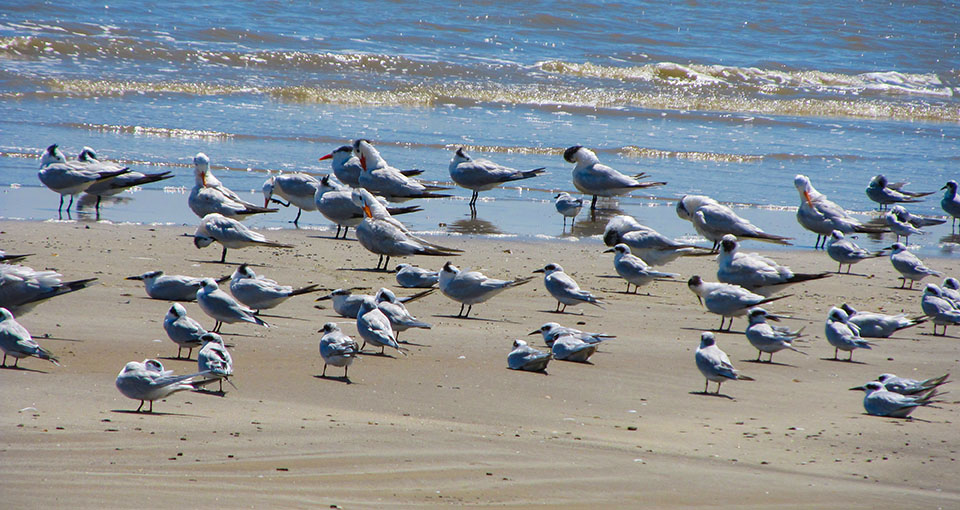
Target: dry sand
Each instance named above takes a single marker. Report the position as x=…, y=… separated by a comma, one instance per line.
x=449, y=424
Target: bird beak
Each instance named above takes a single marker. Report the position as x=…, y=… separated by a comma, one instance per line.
x=700, y=300
x=203, y=179
x=944, y=187
x=328, y=156
x=134, y=278
x=266, y=202
x=366, y=210
x=539, y=271
x=806, y=196
x=858, y=388
x=773, y=317
x=611, y=250
x=321, y=298
x=537, y=332
x=363, y=162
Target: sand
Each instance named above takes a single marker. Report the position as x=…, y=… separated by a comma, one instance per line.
x=449, y=424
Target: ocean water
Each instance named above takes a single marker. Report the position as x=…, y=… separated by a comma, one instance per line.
x=725, y=99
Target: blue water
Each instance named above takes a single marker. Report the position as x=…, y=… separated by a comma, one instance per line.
x=726, y=100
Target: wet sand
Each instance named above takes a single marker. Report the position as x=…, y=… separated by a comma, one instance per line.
x=448, y=424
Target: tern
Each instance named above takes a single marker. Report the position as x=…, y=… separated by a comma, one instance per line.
x=881, y=402
x=471, y=287
x=714, y=364
x=260, y=293
x=482, y=174
x=941, y=311
x=884, y=192
x=550, y=331
x=413, y=277
x=147, y=381
x=571, y=348
x=16, y=342
x=400, y=318
x=383, y=235
x=524, y=357
x=22, y=288
x=337, y=349
x=214, y=360
x=568, y=207
x=347, y=304
x=297, y=189
x=222, y=308
x=564, y=289
x=879, y=325
x=950, y=202
x=184, y=331
x=653, y=247
x=118, y=184
x=726, y=300
x=335, y=202
x=209, y=195
x=909, y=265
x=374, y=327
x=905, y=386
x=897, y=219
x=382, y=179
x=951, y=290
x=767, y=338
x=845, y=251
x=173, y=287
x=69, y=178
x=843, y=335
x=594, y=178
x=821, y=216
x=230, y=233
x=633, y=269
x=755, y=272
x=346, y=166
x=713, y=220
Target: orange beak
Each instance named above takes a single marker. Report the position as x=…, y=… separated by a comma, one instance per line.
x=366, y=211
x=203, y=179
x=328, y=156
x=806, y=196
x=363, y=162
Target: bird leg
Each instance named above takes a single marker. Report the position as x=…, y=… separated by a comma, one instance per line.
x=473, y=200
x=297, y=219
x=593, y=203
x=470, y=307
x=140, y=407
x=706, y=385
x=324, y=373
x=223, y=256
x=464, y=304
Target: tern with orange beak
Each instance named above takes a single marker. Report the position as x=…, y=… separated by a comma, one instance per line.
x=209, y=195
x=821, y=216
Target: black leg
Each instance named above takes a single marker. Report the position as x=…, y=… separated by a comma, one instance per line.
x=297, y=219
x=223, y=256
x=593, y=203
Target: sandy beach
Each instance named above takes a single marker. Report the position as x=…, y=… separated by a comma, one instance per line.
x=449, y=424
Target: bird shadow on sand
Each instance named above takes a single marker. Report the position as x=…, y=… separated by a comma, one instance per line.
x=154, y=413
x=176, y=358
x=771, y=363
x=331, y=237
x=57, y=338
x=859, y=275
x=474, y=319
x=937, y=336
x=364, y=270
x=404, y=342
x=341, y=379
x=243, y=335
x=541, y=372
x=227, y=263
x=725, y=331
x=835, y=360
x=571, y=314
x=214, y=393
x=271, y=316
x=714, y=395
x=23, y=369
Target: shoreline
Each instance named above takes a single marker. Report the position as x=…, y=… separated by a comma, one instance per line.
x=448, y=422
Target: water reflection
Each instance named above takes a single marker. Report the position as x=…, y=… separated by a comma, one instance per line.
x=592, y=222
x=473, y=225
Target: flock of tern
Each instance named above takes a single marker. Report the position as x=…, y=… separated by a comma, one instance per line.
x=360, y=193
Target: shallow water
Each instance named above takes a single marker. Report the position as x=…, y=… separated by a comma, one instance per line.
x=726, y=100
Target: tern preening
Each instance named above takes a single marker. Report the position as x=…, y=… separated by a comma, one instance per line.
x=298, y=189
x=16, y=342
x=209, y=195
x=592, y=177
x=941, y=311
x=471, y=287
x=346, y=166
x=147, y=381
x=337, y=349
x=713, y=220
x=479, y=174
x=335, y=202
x=184, y=331
x=230, y=233
x=897, y=218
x=821, y=216
x=374, y=327
x=383, y=235
x=653, y=247
x=400, y=318
x=524, y=357
x=382, y=179
x=214, y=360
x=884, y=192
x=69, y=178
x=118, y=184
x=843, y=335
x=714, y=364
